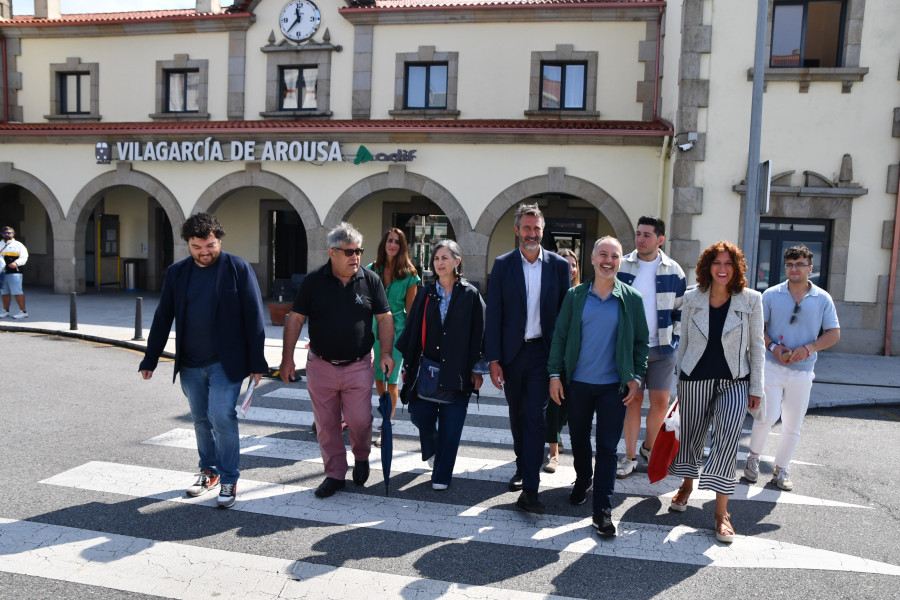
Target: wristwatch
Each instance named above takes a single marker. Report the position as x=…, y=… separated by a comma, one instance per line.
x=772, y=346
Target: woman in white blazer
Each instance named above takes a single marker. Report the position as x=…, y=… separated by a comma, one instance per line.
x=720, y=360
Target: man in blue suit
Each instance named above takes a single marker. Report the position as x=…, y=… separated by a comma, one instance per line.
x=214, y=299
x=527, y=288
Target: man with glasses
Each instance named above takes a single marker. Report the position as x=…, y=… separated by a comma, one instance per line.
x=795, y=311
x=339, y=299
x=214, y=299
x=15, y=255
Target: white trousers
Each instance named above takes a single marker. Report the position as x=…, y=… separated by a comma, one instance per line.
x=787, y=397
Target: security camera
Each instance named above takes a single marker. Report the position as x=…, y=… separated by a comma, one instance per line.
x=685, y=146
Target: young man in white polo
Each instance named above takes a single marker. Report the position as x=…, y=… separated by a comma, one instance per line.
x=661, y=282
x=795, y=312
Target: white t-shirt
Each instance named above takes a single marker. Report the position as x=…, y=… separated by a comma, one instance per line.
x=645, y=283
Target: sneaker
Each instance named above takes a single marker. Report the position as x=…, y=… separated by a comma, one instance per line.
x=21, y=315
x=626, y=467
x=3, y=314
x=781, y=478
x=439, y=486
x=603, y=522
x=206, y=481
x=644, y=451
x=227, y=495
x=751, y=468
x=579, y=491
x=552, y=464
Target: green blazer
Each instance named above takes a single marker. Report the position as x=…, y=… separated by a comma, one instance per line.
x=632, y=341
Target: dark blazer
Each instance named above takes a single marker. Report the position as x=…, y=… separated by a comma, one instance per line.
x=507, y=311
x=239, y=335
x=460, y=339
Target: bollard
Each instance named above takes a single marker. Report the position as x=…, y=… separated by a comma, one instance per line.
x=73, y=313
x=138, y=320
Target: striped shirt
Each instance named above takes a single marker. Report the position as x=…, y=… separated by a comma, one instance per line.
x=670, y=287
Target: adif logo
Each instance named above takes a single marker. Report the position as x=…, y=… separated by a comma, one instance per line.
x=363, y=155
x=359, y=299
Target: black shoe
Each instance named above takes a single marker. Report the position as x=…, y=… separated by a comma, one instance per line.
x=528, y=501
x=360, y=472
x=603, y=523
x=515, y=484
x=329, y=487
x=580, y=490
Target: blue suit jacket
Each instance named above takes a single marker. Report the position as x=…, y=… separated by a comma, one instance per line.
x=239, y=334
x=506, y=303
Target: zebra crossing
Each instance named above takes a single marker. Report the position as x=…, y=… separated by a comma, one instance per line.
x=276, y=431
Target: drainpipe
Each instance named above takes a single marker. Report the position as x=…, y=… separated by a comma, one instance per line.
x=656, y=75
x=5, y=118
x=660, y=205
x=892, y=278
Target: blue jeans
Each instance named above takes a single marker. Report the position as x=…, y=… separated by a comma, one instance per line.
x=440, y=428
x=606, y=400
x=212, y=396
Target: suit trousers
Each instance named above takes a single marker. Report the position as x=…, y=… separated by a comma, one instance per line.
x=527, y=390
x=341, y=391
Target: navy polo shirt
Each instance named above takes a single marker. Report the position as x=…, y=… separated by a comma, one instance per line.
x=339, y=316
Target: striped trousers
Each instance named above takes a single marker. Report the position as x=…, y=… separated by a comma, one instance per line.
x=722, y=403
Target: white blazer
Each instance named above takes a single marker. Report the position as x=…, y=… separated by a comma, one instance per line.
x=742, y=335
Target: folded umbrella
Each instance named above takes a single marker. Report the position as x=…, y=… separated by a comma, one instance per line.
x=387, y=439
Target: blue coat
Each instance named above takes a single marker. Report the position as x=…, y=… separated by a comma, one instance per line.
x=239, y=335
x=507, y=311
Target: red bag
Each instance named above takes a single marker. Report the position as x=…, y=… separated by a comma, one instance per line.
x=665, y=447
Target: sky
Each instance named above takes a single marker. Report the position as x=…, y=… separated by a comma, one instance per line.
x=26, y=7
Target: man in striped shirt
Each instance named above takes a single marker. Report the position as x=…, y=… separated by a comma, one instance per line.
x=661, y=282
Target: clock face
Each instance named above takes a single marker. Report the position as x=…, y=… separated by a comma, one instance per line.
x=299, y=20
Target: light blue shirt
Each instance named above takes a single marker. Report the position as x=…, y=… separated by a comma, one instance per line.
x=445, y=300
x=599, y=332
x=816, y=312
x=532, y=272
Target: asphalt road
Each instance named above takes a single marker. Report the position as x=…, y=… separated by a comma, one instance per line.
x=89, y=509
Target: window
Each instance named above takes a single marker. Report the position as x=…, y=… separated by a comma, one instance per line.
x=808, y=33
x=74, y=89
x=563, y=83
x=74, y=93
x=563, y=86
x=297, y=88
x=777, y=235
x=425, y=84
x=181, y=91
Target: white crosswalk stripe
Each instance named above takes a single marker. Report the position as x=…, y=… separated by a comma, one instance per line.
x=673, y=544
x=169, y=569
x=483, y=469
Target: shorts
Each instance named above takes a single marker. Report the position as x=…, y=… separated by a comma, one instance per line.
x=660, y=370
x=12, y=284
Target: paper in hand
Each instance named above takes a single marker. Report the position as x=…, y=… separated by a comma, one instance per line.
x=243, y=404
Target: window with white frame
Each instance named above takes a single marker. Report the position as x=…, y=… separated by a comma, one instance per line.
x=563, y=85
x=808, y=33
x=298, y=86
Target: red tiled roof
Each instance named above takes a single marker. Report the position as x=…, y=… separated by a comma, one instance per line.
x=114, y=17
x=653, y=128
x=475, y=3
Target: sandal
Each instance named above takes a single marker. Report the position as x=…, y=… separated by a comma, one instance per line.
x=724, y=530
x=680, y=500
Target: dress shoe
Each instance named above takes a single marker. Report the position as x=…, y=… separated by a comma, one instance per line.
x=603, y=523
x=528, y=501
x=360, y=472
x=579, y=491
x=329, y=487
x=515, y=484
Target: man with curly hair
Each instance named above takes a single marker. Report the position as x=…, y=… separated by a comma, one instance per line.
x=214, y=299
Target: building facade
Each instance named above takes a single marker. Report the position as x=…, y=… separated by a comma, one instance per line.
x=440, y=117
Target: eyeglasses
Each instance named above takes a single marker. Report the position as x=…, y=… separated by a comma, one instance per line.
x=791, y=266
x=7, y=233
x=794, y=316
x=348, y=252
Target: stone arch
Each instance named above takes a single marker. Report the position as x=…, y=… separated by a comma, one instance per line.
x=123, y=175
x=62, y=234
x=555, y=181
x=397, y=177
